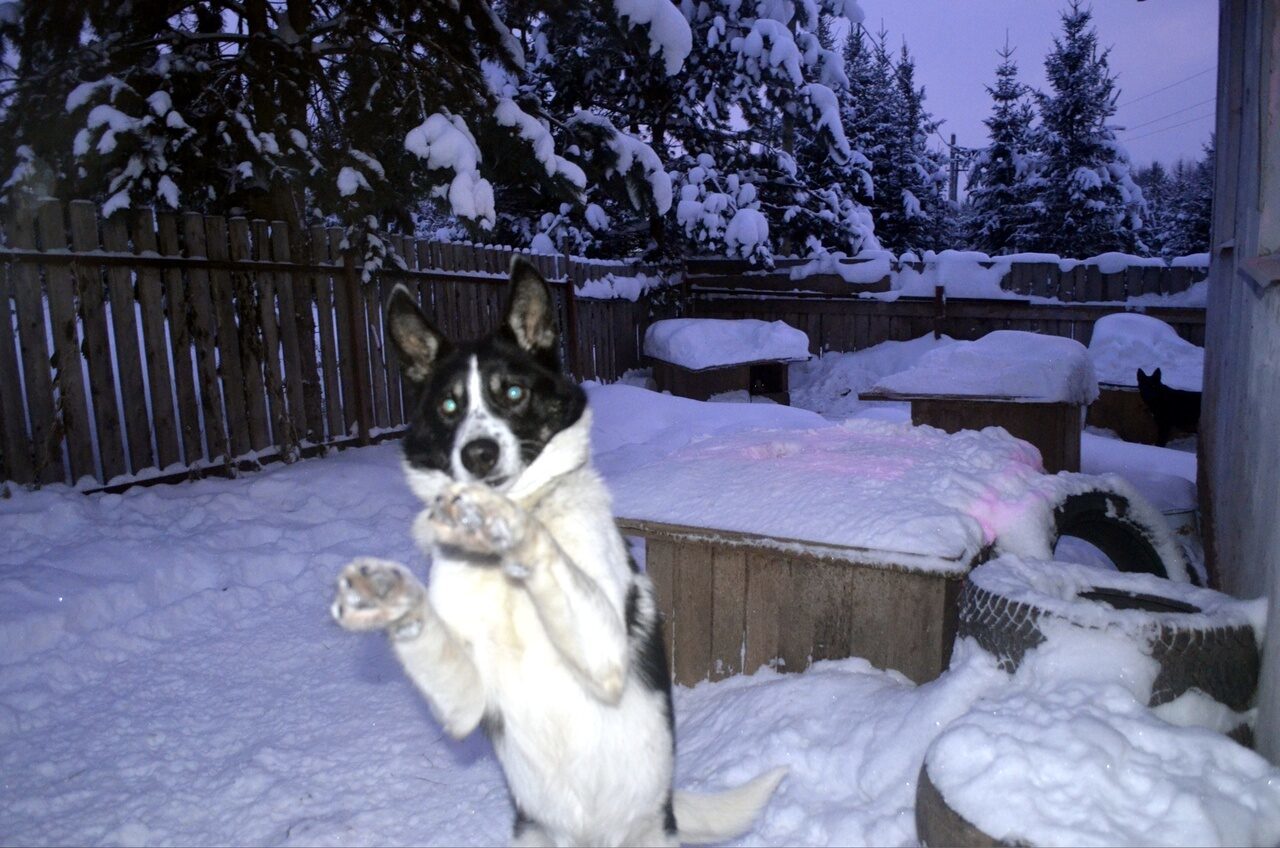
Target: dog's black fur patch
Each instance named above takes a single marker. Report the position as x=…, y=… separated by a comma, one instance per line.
x=1172, y=409
x=650, y=655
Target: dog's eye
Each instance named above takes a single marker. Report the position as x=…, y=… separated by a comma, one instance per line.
x=448, y=406
x=515, y=393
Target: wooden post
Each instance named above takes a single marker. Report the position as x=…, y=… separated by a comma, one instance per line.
x=939, y=310
x=359, y=343
x=574, y=365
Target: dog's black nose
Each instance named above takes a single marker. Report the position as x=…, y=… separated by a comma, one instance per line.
x=479, y=456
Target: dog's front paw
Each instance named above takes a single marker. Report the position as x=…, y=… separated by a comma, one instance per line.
x=374, y=594
x=477, y=519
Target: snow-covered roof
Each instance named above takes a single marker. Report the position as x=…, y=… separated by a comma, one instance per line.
x=1126, y=341
x=700, y=343
x=868, y=491
x=1030, y=367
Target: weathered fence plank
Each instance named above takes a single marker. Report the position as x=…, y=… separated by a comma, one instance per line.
x=204, y=333
x=69, y=380
x=331, y=386
x=283, y=434
x=15, y=446
x=180, y=343
x=102, y=384
x=243, y=314
x=231, y=369
x=296, y=324
x=129, y=365
x=154, y=345
x=34, y=347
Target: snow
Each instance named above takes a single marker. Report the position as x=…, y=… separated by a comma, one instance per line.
x=1003, y=364
x=1191, y=260
x=913, y=496
x=669, y=32
x=444, y=141
x=614, y=286
x=866, y=268
x=169, y=674
x=1115, y=263
x=350, y=181
x=747, y=229
x=1124, y=342
x=698, y=343
x=830, y=384
x=1069, y=754
x=509, y=114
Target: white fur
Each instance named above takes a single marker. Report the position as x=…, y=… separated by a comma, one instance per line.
x=532, y=630
x=479, y=422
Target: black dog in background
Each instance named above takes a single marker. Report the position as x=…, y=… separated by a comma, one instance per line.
x=1173, y=409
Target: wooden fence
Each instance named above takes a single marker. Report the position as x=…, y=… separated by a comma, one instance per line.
x=158, y=345
x=851, y=323
x=1079, y=283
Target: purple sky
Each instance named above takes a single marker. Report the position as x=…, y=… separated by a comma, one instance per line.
x=1154, y=44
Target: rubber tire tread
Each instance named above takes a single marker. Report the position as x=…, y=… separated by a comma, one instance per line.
x=1222, y=662
x=1125, y=541
x=940, y=826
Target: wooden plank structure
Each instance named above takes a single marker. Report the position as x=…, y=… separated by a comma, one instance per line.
x=1054, y=428
x=1120, y=408
x=767, y=378
x=154, y=346
x=735, y=602
x=850, y=323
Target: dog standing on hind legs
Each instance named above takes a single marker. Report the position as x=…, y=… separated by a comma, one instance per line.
x=536, y=624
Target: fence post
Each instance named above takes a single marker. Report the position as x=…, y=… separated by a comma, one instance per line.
x=359, y=344
x=939, y=310
x=571, y=316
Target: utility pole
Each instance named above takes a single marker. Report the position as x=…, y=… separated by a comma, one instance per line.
x=953, y=185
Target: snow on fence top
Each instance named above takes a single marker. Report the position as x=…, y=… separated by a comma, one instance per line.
x=699, y=343
x=971, y=274
x=1004, y=364
x=1126, y=341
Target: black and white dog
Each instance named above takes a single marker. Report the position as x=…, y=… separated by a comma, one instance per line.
x=535, y=624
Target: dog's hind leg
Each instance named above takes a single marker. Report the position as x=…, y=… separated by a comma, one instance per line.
x=378, y=594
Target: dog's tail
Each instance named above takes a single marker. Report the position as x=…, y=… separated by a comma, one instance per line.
x=702, y=819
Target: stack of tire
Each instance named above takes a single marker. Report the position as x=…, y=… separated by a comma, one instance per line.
x=1205, y=643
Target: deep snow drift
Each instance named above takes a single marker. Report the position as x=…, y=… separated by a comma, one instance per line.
x=169, y=674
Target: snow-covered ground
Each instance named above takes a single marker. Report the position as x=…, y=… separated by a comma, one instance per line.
x=169, y=672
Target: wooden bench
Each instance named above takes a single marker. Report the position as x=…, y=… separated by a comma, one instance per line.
x=733, y=602
x=1054, y=428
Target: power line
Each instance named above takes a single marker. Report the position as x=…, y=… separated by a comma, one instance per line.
x=1174, y=127
x=1170, y=114
x=1169, y=86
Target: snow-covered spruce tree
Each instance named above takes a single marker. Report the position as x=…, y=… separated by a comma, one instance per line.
x=1157, y=191
x=1190, y=208
x=296, y=110
x=763, y=92
x=1088, y=202
x=886, y=117
x=998, y=186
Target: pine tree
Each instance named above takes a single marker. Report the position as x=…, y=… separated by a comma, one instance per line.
x=1191, y=208
x=887, y=120
x=1158, y=190
x=1088, y=203
x=998, y=192
x=295, y=110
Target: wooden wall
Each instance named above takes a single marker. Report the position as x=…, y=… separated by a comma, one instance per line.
x=1239, y=472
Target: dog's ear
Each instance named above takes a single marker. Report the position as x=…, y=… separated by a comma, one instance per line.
x=1155, y=376
x=531, y=313
x=1142, y=377
x=418, y=344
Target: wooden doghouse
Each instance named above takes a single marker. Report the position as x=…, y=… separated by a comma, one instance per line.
x=733, y=602
x=700, y=357
x=766, y=378
x=1054, y=428
x=1121, y=409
